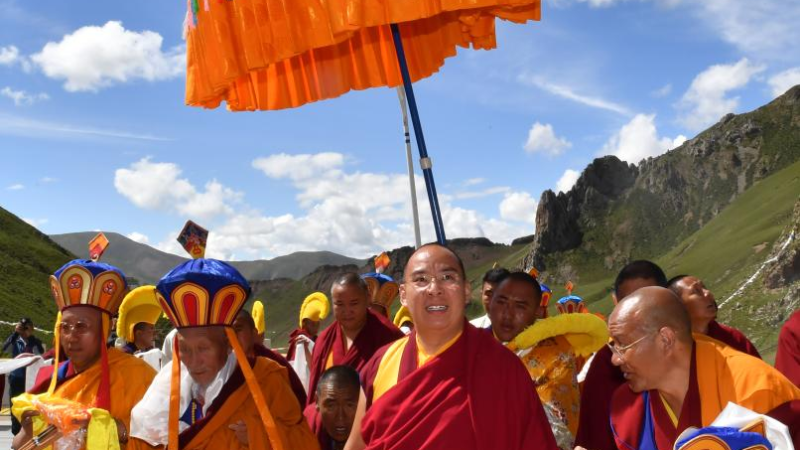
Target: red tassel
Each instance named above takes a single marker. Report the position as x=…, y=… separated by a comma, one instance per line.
x=103, y=398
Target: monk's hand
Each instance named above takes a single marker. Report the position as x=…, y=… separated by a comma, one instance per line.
x=240, y=429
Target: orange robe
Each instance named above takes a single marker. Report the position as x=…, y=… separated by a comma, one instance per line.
x=130, y=378
x=235, y=403
x=719, y=374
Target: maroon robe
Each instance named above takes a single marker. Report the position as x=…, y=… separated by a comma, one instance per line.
x=732, y=338
x=377, y=332
x=293, y=342
x=294, y=381
x=476, y=395
x=602, y=379
x=787, y=360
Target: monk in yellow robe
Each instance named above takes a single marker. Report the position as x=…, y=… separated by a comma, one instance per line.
x=675, y=380
x=212, y=395
x=87, y=294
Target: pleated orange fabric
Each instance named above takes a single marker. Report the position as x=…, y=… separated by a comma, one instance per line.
x=275, y=54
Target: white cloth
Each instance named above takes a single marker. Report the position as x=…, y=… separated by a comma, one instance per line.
x=154, y=357
x=738, y=417
x=300, y=363
x=168, y=343
x=481, y=322
x=150, y=417
x=9, y=365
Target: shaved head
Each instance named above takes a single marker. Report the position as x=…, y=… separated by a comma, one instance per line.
x=653, y=308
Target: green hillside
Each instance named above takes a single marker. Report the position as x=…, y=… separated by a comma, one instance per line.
x=27, y=258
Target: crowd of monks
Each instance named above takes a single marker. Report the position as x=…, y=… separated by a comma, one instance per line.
x=516, y=378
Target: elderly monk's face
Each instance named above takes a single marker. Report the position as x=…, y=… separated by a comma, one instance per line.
x=350, y=304
x=634, y=350
x=699, y=301
x=513, y=308
x=81, y=335
x=246, y=334
x=337, y=409
x=203, y=351
x=434, y=291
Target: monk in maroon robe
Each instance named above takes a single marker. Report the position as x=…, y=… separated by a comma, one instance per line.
x=676, y=379
x=787, y=360
x=447, y=384
x=702, y=308
x=295, y=335
x=603, y=377
x=251, y=342
x=351, y=340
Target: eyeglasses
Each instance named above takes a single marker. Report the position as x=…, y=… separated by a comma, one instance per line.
x=77, y=328
x=620, y=351
x=447, y=279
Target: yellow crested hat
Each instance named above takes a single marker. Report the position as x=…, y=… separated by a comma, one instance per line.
x=315, y=307
x=259, y=317
x=402, y=316
x=140, y=305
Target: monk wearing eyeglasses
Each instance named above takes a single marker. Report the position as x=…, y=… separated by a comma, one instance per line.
x=447, y=384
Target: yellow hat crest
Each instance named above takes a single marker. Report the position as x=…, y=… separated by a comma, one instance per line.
x=259, y=317
x=315, y=307
x=402, y=316
x=140, y=305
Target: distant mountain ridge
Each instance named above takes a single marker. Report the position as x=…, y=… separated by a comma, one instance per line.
x=148, y=264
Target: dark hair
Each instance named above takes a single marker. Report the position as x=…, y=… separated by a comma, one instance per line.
x=26, y=322
x=342, y=376
x=495, y=275
x=641, y=269
x=672, y=284
x=436, y=244
x=524, y=277
x=350, y=279
x=139, y=326
x=248, y=319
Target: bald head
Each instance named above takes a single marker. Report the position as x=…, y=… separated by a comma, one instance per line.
x=653, y=308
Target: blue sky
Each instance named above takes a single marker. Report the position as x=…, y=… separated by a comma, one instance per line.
x=94, y=134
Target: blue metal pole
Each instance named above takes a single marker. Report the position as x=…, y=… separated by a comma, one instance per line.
x=424, y=160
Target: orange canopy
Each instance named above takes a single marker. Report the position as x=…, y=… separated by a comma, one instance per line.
x=275, y=54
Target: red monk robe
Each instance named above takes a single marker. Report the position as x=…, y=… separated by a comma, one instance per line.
x=294, y=381
x=474, y=395
x=602, y=379
x=293, y=342
x=787, y=360
x=718, y=375
x=377, y=332
x=732, y=337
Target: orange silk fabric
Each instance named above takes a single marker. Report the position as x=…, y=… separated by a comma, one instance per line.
x=275, y=54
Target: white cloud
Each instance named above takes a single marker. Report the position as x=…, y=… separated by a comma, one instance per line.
x=570, y=94
x=21, y=126
x=678, y=141
x=92, y=58
x=519, y=206
x=16, y=187
x=21, y=98
x=783, y=81
x=474, y=181
x=663, y=91
x=48, y=180
x=9, y=55
x=638, y=140
x=299, y=167
x=542, y=139
x=138, y=237
x=463, y=195
x=158, y=186
x=36, y=223
x=706, y=101
x=567, y=180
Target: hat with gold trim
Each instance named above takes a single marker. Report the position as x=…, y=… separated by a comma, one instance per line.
x=382, y=288
x=202, y=292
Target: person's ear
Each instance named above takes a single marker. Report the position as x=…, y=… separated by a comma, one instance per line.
x=614, y=298
x=667, y=337
x=403, y=295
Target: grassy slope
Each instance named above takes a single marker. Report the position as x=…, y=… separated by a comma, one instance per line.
x=27, y=259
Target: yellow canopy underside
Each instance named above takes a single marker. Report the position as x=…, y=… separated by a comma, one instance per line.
x=275, y=54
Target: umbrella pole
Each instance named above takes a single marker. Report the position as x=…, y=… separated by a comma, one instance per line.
x=424, y=160
x=410, y=161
